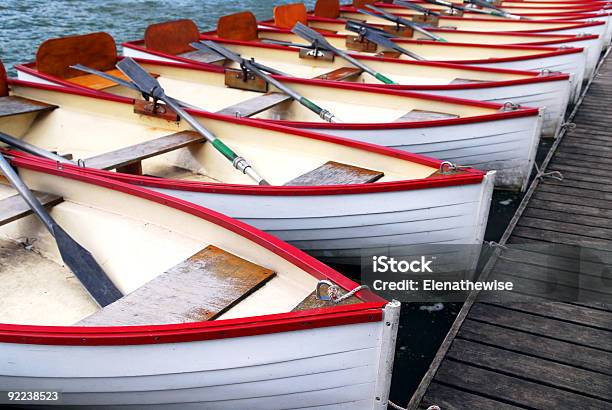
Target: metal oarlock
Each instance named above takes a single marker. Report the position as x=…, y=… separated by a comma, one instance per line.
x=510, y=106
x=447, y=168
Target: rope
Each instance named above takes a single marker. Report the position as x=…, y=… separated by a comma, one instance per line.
x=333, y=291
x=550, y=174
x=396, y=407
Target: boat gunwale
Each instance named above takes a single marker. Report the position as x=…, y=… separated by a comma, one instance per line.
x=368, y=311
x=566, y=9
x=471, y=175
x=494, y=116
x=570, y=38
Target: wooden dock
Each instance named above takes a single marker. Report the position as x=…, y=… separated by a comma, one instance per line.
x=543, y=354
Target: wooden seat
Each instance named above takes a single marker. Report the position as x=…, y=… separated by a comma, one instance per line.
x=238, y=26
x=200, y=288
x=123, y=159
x=14, y=207
x=336, y=173
x=341, y=74
x=327, y=8
x=203, y=56
x=424, y=115
x=288, y=15
x=255, y=105
x=12, y=105
x=172, y=37
x=96, y=82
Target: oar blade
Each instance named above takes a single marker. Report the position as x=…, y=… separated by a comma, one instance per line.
x=139, y=76
x=86, y=269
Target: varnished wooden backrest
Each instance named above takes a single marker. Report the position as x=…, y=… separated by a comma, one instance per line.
x=327, y=8
x=172, y=37
x=361, y=3
x=238, y=26
x=288, y=15
x=95, y=50
x=3, y=81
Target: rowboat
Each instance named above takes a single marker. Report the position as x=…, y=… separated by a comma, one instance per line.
x=569, y=60
x=213, y=308
x=329, y=196
x=194, y=82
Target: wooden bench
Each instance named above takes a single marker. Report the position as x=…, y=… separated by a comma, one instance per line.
x=424, y=115
x=341, y=74
x=203, y=56
x=96, y=82
x=129, y=159
x=255, y=105
x=200, y=288
x=14, y=207
x=12, y=105
x=336, y=173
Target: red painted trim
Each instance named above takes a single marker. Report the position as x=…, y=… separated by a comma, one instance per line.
x=546, y=39
x=471, y=177
x=587, y=7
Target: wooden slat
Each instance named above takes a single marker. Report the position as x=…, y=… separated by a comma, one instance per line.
x=139, y=152
x=12, y=105
x=341, y=74
x=14, y=207
x=538, y=325
x=423, y=115
x=96, y=82
x=449, y=398
x=203, y=56
x=255, y=105
x=201, y=288
x=513, y=390
x=335, y=173
x=534, y=369
x=538, y=346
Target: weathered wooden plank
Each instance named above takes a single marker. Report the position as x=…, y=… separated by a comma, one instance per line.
x=341, y=74
x=577, y=192
x=543, y=326
x=539, y=346
x=423, y=115
x=139, y=152
x=596, y=234
x=200, y=288
x=255, y=105
x=567, y=217
x=534, y=369
x=513, y=390
x=13, y=105
x=578, y=207
x=203, y=56
x=96, y=82
x=14, y=207
x=448, y=398
x=335, y=173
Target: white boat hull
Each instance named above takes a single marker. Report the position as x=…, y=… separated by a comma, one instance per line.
x=551, y=97
x=341, y=228
x=506, y=146
x=574, y=64
x=345, y=366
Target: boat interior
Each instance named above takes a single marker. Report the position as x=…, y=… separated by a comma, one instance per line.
x=171, y=266
x=253, y=97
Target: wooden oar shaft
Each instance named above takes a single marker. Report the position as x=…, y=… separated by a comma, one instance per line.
x=32, y=149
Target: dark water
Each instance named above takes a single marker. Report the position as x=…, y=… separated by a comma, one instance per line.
x=25, y=24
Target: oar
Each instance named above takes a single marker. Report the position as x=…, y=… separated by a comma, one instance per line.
x=287, y=43
x=502, y=13
x=248, y=65
x=312, y=36
x=378, y=38
x=399, y=21
x=151, y=87
x=32, y=149
x=423, y=10
x=77, y=258
x=124, y=83
x=453, y=6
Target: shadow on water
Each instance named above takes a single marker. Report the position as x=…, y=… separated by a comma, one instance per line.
x=25, y=24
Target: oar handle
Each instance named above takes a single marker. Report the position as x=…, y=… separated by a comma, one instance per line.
x=27, y=195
